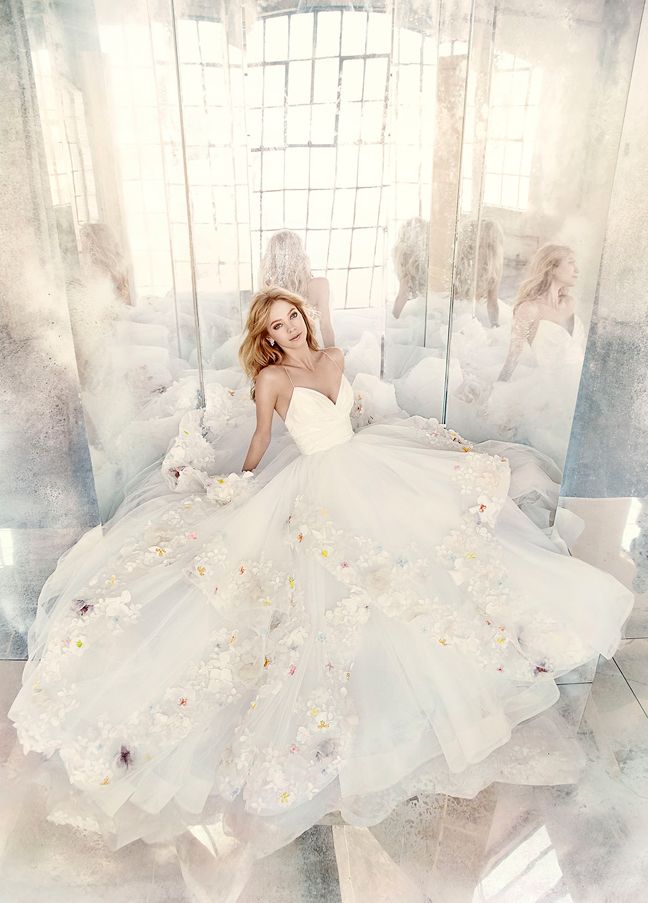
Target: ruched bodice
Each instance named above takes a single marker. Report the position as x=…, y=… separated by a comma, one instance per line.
x=315, y=422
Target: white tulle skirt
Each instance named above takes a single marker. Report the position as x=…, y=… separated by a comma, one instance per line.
x=342, y=631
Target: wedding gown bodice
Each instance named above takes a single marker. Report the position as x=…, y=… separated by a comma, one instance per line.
x=315, y=422
x=554, y=346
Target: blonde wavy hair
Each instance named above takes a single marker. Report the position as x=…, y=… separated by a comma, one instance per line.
x=410, y=255
x=285, y=263
x=490, y=259
x=541, y=274
x=256, y=352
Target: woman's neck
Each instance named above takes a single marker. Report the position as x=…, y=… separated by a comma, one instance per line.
x=304, y=359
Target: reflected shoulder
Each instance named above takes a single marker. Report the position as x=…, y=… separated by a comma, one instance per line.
x=527, y=310
x=318, y=285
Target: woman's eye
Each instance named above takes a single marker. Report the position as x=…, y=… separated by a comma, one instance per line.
x=293, y=314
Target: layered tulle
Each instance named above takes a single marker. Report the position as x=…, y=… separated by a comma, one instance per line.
x=344, y=629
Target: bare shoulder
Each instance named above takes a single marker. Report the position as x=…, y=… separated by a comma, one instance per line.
x=527, y=311
x=269, y=378
x=337, y=354
x=318, y=287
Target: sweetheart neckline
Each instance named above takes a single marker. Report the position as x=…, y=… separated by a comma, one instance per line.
x=317, y=392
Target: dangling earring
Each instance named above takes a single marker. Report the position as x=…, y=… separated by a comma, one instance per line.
x=271, y=341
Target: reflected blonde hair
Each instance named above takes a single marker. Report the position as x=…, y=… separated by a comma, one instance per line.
x=285, y=263
x=490, y=259
x=410, y=255
x=541, y=274
x=256, y=352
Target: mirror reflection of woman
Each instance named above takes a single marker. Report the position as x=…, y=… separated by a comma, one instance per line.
x=485, y=286
x=543, y=296
x=410, y=256
x=286, y=264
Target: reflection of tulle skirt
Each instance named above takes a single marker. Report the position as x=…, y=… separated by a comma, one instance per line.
x=357, y=625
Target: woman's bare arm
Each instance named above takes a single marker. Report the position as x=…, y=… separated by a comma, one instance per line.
x=524, y=317
x=320, y=297
x=492, y=305
x=265, y=399
x=401, y=300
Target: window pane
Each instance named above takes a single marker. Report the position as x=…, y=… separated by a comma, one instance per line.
x=370, y=168
x=253, y=86
x=512, y=157
x=358, y=290
x=320, y=207
x=323, y=124
x=492, y=189
x=211, y=39
x=352, y=78
x=495, y=156
x=509, y=191
x=354, y=34
x=254, y=127
x=273, y=128
x=516, y=123
x=520, y=87
x=375, y=85
x=316, y=245
x=372, y=122
x=276, y=38
x=301, y=36
x=272, y=210
x=328, y=34
x=188, y=50
x=367, y=203
x=322, y=169
x=296, y=167
x=379, y=34
x=254, y=39
x=299, y=83
x=326, y=80
x=273, y=170
x=296, y=202
x=298, y=125
x=347, y=166
x=274, y=77
x=225, y=205
x=350, y=120
x=343, y=207
x=362, y=247
x=340, y=248
x=409, y=46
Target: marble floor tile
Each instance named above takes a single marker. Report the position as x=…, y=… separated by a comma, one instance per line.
x=583, y=675
x=583, y=843
x=637, y=626
x=632, y=660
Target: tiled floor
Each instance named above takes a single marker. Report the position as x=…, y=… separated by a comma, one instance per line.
x=586, y=843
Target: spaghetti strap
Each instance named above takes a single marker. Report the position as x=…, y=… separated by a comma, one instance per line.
x=288, y=375
x=334, y=361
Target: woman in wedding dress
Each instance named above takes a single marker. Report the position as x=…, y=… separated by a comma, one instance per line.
x=530, y=397
x=366, y=617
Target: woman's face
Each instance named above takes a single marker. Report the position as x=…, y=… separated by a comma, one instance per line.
x=286, y=326
x=566, y=272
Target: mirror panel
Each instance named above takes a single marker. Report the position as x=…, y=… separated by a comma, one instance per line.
x=109, y=131
x=533, y=212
